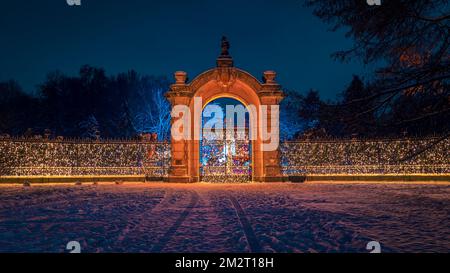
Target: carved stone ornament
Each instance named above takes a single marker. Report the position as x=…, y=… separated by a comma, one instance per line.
x=226, y=77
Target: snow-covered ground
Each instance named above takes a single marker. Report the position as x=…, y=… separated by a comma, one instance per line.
x=157, y=217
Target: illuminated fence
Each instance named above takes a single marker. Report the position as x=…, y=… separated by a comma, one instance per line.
x=24, y=157
x=20, y=157
x=366, y=157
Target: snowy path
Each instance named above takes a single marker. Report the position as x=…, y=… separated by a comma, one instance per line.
x=226, y=218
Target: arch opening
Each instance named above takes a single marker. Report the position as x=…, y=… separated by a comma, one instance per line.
x=225, y=146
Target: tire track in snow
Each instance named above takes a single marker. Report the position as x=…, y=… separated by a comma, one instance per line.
x=248, y=230
x=173, y=229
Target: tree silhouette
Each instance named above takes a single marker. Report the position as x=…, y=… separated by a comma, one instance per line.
x=18, y=110
x=355, y=117
x=409, y=38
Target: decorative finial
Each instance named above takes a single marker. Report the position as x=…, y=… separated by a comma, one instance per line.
x=225, y=59
x=225, y=46
x=180, y=77
x=269, y=77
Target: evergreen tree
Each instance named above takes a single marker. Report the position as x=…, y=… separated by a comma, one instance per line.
x=410, y=41
x=290, y=122
x=89, y=128
x=355, y=112
x=310, y=109
x=18, y=110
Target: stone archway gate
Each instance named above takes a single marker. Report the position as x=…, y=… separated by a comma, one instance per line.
x=224, y=80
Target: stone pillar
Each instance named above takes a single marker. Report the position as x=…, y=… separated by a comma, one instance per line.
x=271, y=94
x=179, y=95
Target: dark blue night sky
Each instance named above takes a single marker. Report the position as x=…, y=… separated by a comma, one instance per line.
x=160, y=37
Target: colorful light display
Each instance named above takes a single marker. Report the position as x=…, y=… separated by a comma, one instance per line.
x=75, y=158
x=223, y=161
x=362, y=157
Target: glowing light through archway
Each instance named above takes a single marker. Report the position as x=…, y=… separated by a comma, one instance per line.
x=225, y=157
